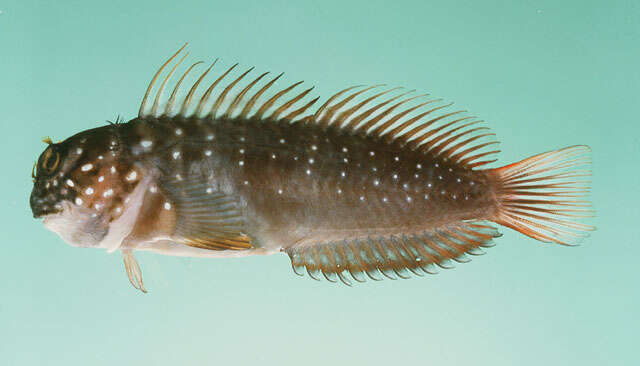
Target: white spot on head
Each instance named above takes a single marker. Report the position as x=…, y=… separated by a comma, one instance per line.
x=175, y=154
x=113, y=169
x=344, y=149
x=132, y=176
x=178, y=131
x=372, y=153
x=429, y=185
x=396, y=158
x=70, y=183
x=97, y=206
x=295, y=158
x=78, y=151
x=443, y=192
x=47, y=185
x=153, y=189
x=100, y=157
x=107, y=193
x=395, y=176
x=241, y=151
x=282, y=141
x=384, y=199
x=55, y=182
x=209, y=190
x=279, y=191
x=167, y=206
x=118, y=209
x=472, y=183
x=89, y=191
x=243, y=139
x=113, y=143
x=308, y=172
x=101, y=178
x=458, y=180
x=416, y=176
x=408, y=199
x=207, y=152
x=361, y=198
x=146, y=143
x=345, y=160
x=374, y=169
x=273, y=156
x=241, y=163
x=311, y=161
x=343, y=174
x=339, y=191
x=405, y=186
x=78, y=201
x=246, y=182
x=178, y=177
x=436, y=165
x=419, y=166
x=426, y=196
x=376, y=182
x=440, y=177
x=210, y=137
x=314, y=147
x=455, y=197
x=87, y=167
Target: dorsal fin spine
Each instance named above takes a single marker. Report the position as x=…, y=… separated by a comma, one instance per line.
x=205, y=97
x=355, y=121
x=344, y=116
x=187, y=99
x=273, y=99
x=141, y=112
x=240, y=95
x=214, y=109
x=249, y=105
x=169, y=107
x=160, y=91
x=316, y=116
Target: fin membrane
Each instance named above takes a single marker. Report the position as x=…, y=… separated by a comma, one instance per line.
x=391, y=256
x=205, y=217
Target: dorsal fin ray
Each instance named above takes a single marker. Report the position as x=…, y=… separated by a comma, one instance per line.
x=240, y=95
x=172, y=98
x=397, y=119
x=223, y=95
x=156, y=100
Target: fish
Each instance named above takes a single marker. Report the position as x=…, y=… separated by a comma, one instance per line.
x=376, y=182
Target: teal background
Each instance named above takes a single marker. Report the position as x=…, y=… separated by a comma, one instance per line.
x=544, y=74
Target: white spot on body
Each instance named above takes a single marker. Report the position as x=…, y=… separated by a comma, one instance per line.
x=273, y=156
x=153, y=189
x=101, y=178
x=311, y=161
x=308, y=172
x=178, y=131
x=176, y=155
x=78, y=201
x=209, y=190
x=146, y=143
x=241, y=151
x=314, y=147
x=100, y=157
x=361, y=198
x=167, y=206
x=279, y=191
x=241, y=163
x=113, y=170
x=78, y=151
x=376, y=182
x=282, y=141
x=384, y=199
x=108, y=193
x=88, y=191
x=396, y=158
x=408, y=199
x=419, y=166
x=344, y=149
x=343, y=174
x=210, y=137
x=70, y=183
x=87, y=167
x=132, y=176
x=207, y=152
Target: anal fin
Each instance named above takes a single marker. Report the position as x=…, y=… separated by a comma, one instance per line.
x=393, y=256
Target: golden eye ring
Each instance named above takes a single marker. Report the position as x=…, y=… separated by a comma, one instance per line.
x=49, y=165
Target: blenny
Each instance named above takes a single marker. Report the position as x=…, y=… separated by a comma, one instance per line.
x=376, y=182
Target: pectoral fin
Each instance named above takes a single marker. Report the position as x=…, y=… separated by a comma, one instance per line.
x=205, y=217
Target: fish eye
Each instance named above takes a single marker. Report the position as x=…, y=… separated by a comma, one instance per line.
x=50, y=161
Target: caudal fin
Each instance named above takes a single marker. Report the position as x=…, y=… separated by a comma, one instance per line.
x=545, y=196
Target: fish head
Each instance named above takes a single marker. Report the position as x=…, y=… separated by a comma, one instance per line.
x=79, y=186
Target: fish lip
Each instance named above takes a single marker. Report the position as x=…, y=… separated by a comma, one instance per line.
x=46, y=214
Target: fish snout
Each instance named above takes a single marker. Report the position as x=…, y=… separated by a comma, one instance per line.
x=42, y=204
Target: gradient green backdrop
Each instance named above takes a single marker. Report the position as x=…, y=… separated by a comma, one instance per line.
x=545, y=74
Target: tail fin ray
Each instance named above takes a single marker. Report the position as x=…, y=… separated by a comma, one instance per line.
x=544, y=196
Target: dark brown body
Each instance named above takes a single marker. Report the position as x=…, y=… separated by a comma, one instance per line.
x=302, y=183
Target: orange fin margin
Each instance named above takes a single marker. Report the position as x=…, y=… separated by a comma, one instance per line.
x=544, y=196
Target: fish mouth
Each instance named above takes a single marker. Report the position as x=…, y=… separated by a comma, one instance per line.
x=45, y=213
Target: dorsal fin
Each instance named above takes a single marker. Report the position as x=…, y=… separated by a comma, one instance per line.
x=425, y=125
